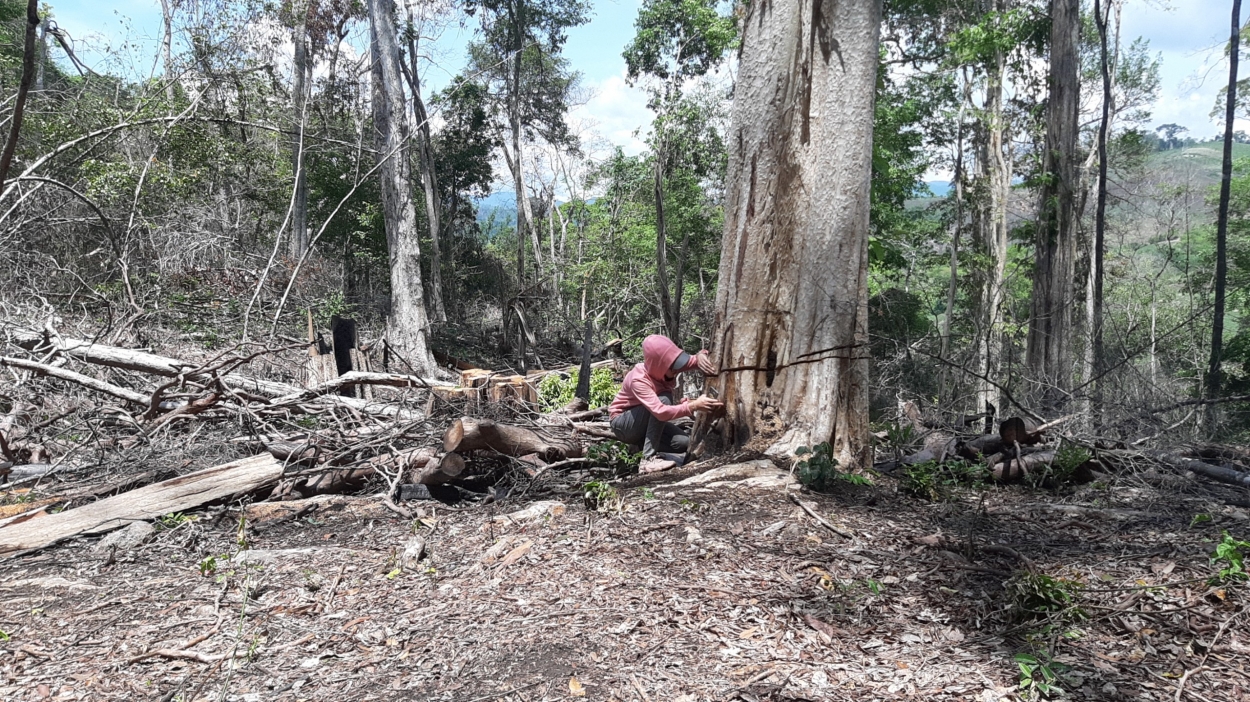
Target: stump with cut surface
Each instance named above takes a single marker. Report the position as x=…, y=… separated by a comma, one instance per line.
x=469, y=434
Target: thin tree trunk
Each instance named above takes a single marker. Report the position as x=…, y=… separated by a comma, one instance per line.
x=956, y=228
x=167, y=49
x=792, y=304
x=23, y=88
x=299, y=104
x=1100, y=212
x=661, y=249
x=1050, y=320
x=679, y=282
x=42, y=59
x=429, y=182
x=1214, y=381
x=406, y=327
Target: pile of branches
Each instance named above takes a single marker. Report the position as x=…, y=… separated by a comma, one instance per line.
x=1026, y=450
x=404, y=435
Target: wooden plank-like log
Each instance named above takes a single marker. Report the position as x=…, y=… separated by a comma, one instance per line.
x=470, y=434
x=174, y=495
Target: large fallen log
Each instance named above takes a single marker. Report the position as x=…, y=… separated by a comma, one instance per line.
x=175, y=495
x=469, y=434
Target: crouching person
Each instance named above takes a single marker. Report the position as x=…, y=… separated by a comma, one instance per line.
x=644, y=409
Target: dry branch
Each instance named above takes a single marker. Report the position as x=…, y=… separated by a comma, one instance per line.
x=137, y=398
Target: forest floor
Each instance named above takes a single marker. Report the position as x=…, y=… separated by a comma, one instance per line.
x=674, y=593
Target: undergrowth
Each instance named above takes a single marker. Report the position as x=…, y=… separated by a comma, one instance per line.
x=556, y=390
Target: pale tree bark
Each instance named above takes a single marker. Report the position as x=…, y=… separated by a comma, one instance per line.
x=661, y=250
x=792, y=306
x=429, y=176
x=406, y=326
x=1049, y=355
x=1221, y=227
x=167, y=49
x=301, y=71
x=995, y=174
x=957, y=223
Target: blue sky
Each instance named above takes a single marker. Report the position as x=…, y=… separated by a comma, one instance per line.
x=1188, y=34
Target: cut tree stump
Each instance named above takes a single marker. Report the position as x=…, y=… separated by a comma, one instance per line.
x=175, y=495
x=469, y=434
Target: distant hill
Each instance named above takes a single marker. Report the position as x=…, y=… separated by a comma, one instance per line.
x=501, y=204
x=939, y=188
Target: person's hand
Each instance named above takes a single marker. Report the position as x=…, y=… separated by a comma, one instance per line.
x=703, y=403
x=705, y=364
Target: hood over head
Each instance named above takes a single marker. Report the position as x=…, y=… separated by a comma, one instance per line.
x=658, y=354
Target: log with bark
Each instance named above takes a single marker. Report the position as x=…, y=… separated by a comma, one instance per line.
x=175, y=495
x=470, y=434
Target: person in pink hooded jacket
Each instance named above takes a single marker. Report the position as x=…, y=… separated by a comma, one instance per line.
x=644, y=409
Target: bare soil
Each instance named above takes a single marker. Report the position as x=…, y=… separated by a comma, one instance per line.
x=682, y=593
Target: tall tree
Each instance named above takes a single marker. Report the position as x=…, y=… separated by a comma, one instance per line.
x=792, y=304
x=23, y=88
x=1102, y=15
x=301, y=74
x=676, y=41
x=1221, y=227
x=406, y=326
x=425, y=161
x=520, y=54
x=1049, y=354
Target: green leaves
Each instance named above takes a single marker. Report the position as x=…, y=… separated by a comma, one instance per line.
x=678, y=40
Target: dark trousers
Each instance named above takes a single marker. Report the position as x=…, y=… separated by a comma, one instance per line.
x=637, y=426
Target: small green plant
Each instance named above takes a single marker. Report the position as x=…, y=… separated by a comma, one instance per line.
x=4, y=635
x=1061, y=470
x=614, y=455
x=648, y=494
x=1039, y=676
x=1231, y=554
x=599, y=496
x=208, y=566
x=1199, y=519
x=937, y=482
x=818, y=469
x=1041, y=596
x=173, y=520
x=556, y=390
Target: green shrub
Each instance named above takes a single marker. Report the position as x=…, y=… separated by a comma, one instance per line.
x=818, y=469
x=937, y=481
x=556, y=390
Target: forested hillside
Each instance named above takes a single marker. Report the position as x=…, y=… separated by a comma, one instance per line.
x=901, y=340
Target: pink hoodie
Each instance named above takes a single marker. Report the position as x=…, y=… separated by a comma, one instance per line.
x=646, y=381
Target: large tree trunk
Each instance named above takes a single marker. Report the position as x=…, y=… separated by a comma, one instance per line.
x=406, y=327
x=299, y=101
x=792, y=307
x=1049, y=354
x=995, y=175
x=1221, y=227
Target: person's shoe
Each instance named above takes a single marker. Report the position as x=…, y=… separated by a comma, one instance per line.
x=655, y=464
x=678, y=458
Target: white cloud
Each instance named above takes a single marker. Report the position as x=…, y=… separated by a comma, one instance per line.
x=617, y=113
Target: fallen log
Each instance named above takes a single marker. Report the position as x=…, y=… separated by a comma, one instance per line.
x=149, y=502
x=1219, y=473
x=88, y=382
x=469, y=434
